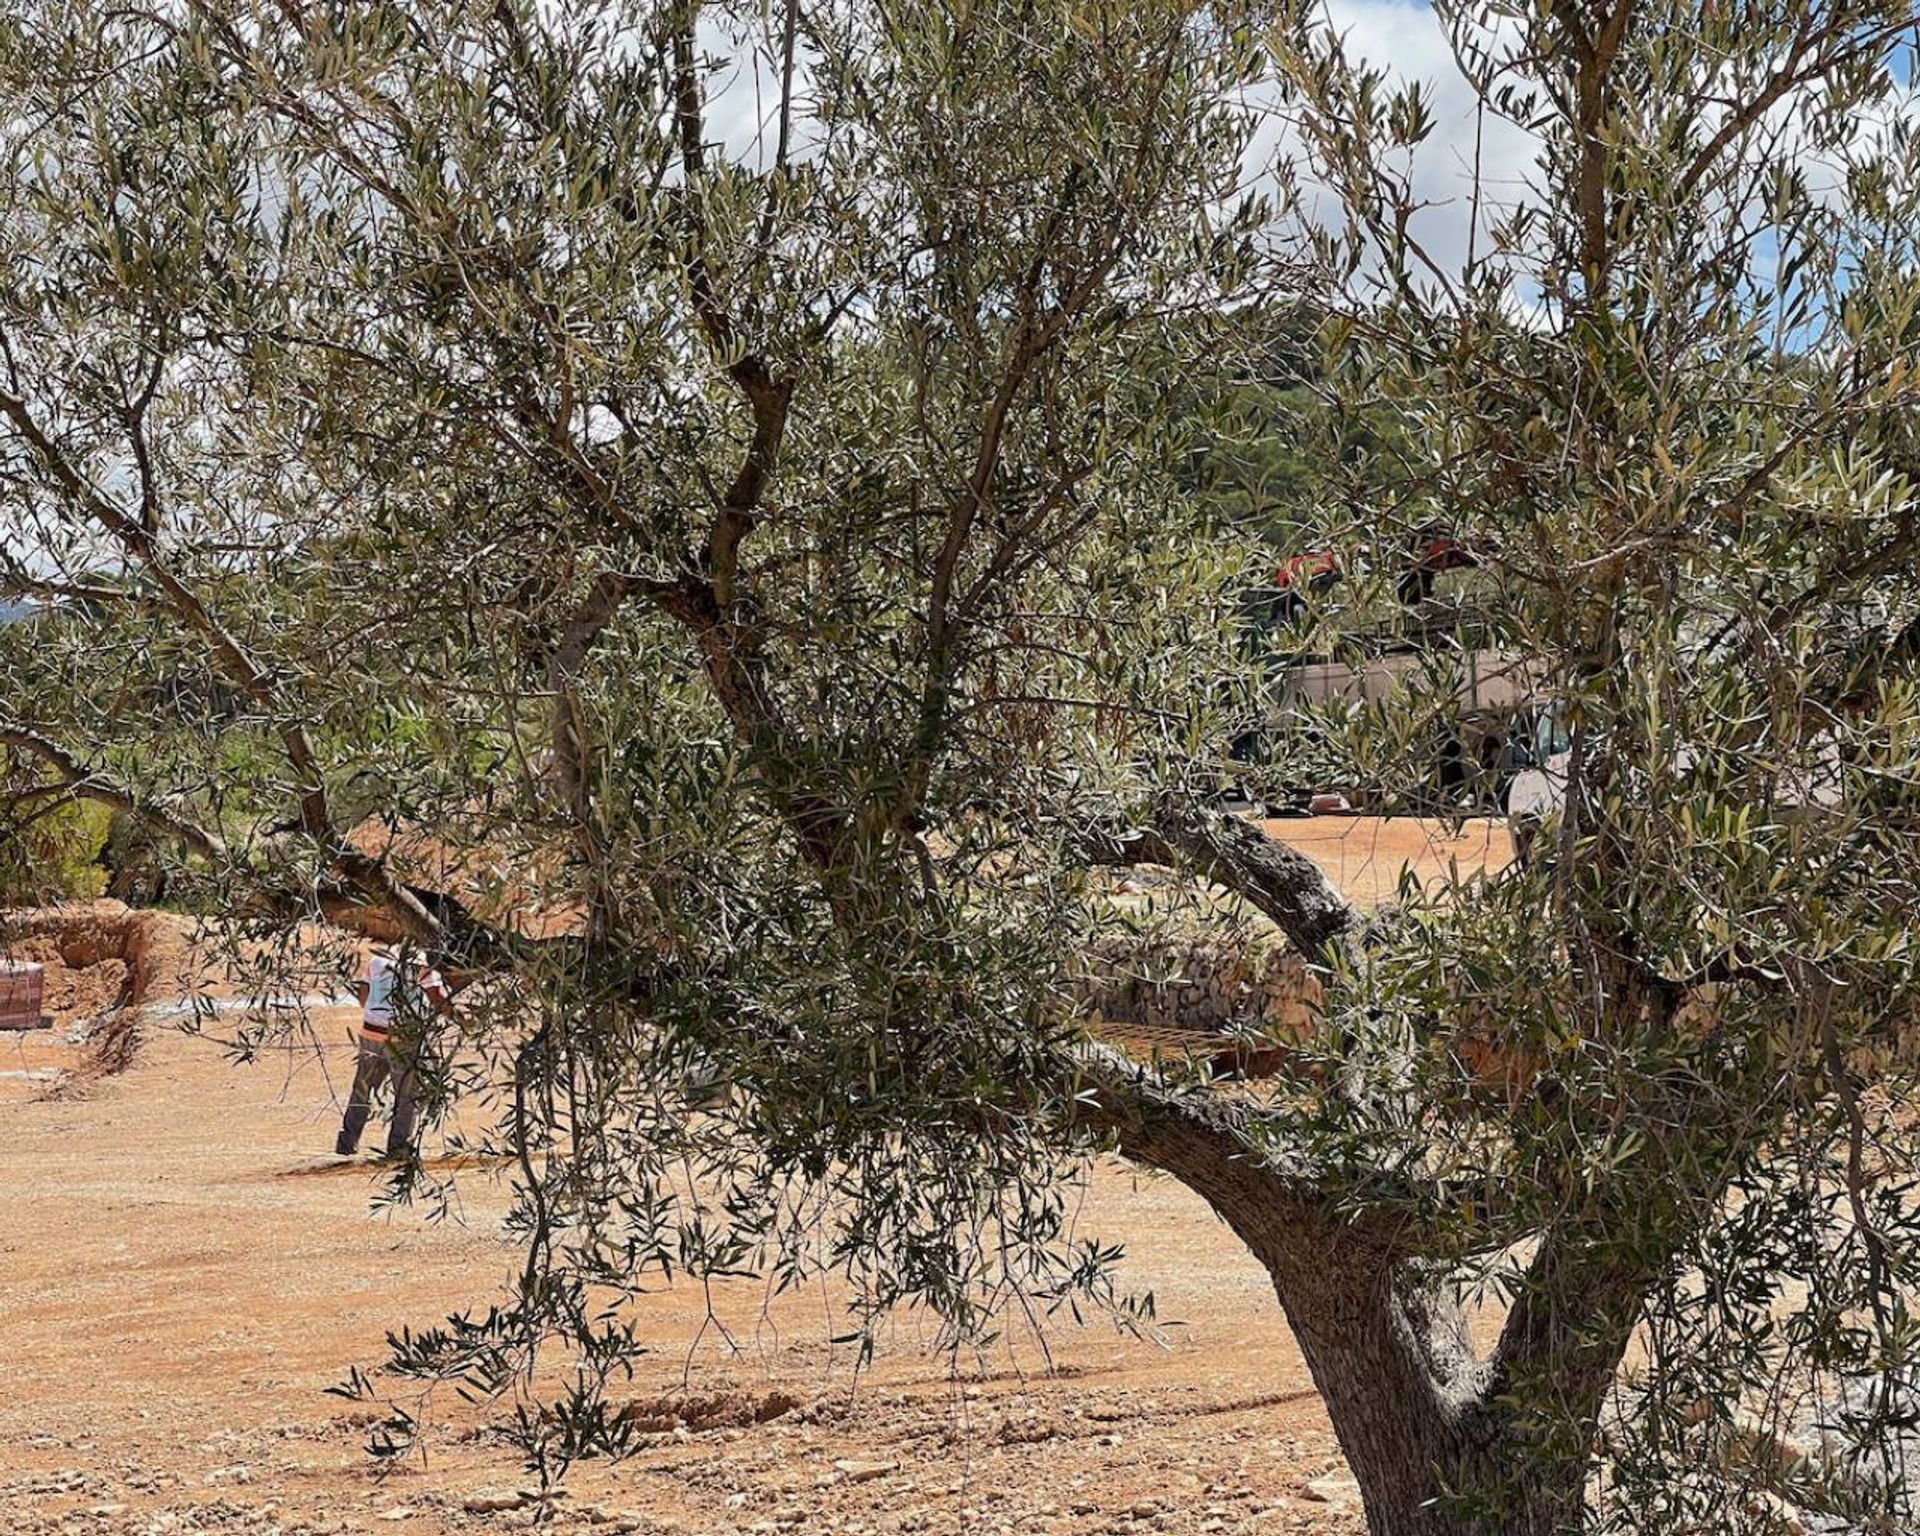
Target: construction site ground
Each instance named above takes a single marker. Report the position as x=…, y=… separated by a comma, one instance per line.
x=185, y=1269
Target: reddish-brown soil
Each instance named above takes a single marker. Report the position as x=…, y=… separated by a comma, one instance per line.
x=183, y=1273
x=184, y=1270
x=1367, y=856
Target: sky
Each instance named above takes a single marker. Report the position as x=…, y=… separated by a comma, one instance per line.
x=1402, y=36
x=1406, y=41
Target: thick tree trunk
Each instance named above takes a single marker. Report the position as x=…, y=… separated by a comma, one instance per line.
x=1441, y=1443
x=1410, y=1405
x=1430, y=1432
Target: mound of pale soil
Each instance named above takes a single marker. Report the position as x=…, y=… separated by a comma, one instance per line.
x=518, y=888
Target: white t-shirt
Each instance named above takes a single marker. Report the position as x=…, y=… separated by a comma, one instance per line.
x=387, y=990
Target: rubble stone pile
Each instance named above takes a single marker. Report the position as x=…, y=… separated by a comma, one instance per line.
x=1199, y=984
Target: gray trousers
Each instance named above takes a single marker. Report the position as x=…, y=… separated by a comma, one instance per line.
x=378, y=1061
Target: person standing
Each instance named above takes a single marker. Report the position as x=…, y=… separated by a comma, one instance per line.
x=398, y=992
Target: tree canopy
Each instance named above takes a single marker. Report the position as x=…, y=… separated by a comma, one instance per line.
x=740, y=588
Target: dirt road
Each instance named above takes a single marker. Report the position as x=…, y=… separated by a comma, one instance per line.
x=183, y=1273
x=184, y=1270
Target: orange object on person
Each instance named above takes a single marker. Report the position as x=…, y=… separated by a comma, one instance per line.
x=1305, y=570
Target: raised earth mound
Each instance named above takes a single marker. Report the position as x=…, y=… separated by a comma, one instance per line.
x=101, y=955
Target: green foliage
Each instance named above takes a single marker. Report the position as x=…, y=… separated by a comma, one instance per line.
x=732, y=597
x=52, y=854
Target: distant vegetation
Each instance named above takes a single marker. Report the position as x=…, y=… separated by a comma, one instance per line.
x=52, y=855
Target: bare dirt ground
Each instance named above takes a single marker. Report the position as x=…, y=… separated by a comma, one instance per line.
x=184, y=1270
x=1366, y=855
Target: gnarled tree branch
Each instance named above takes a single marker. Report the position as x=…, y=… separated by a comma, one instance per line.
x=1279, y=882
x=94, y=784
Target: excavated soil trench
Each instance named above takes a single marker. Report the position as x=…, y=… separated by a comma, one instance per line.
x=100, y=955
x=102, y=961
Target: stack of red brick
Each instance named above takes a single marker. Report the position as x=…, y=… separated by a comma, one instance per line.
x=22, y=995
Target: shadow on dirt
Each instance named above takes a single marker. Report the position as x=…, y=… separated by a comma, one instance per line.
x=341, y=1167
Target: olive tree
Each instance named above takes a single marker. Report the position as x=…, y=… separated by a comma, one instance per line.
x=684, y=508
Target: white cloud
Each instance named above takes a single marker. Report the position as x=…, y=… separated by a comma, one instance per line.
x=1402, y=36
x=743, y=93
x=1408, y=41
x=1471, y=147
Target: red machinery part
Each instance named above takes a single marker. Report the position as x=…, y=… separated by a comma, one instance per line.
x=1306, y=570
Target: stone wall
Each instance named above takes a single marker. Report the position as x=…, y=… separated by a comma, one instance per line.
x=1199, y=984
